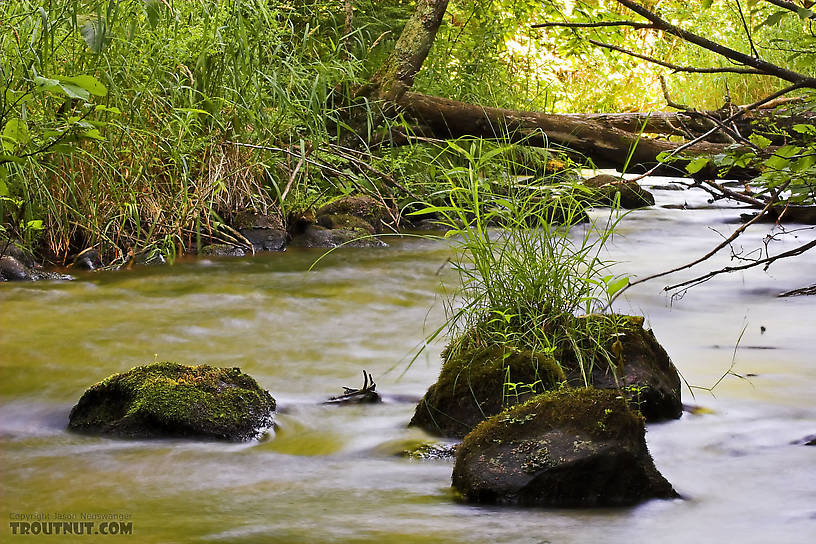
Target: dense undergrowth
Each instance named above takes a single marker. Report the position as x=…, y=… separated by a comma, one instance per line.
x=145, y=125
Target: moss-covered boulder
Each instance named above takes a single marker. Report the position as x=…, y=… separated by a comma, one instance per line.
x=477, y=382
x=567, y=448
x=315, y=236
x=363, y=207
x=604, y=187
x=642, y=371
x=173, y=400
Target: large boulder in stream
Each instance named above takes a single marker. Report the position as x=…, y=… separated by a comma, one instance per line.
x=162, y=400
x=642, y=370
x=567, y=448
x=478, y=381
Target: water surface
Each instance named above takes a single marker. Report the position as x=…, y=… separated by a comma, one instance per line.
x=329, y=473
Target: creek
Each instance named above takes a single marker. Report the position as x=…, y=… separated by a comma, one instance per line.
x=329, y=473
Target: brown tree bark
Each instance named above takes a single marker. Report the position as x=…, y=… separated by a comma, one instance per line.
x=607, y=145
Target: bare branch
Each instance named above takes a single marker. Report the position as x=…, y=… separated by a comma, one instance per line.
x=675, y=67
x=727, y=269
x=711, y=253
x=741, y=58
x=600, y=24
x=747, y=30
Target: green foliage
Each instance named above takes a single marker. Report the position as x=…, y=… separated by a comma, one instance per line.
x=529, y=262
x=116, y=116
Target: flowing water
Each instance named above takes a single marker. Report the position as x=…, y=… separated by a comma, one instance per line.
x=329, y=473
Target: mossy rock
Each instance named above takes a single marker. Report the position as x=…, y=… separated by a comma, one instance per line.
x=173, y=400
x=344, y=221
x=222, y=250
x=472, y=383
x=471, y=387
x=315, y=236
x=567, y=448
x=363, y=207
x=604, y=187
x=643, y=371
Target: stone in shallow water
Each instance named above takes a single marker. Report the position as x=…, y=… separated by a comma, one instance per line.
x=568, y=448
x=474, y=382
x=174, y=400
x=604, y=188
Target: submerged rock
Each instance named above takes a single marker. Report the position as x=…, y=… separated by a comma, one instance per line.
x=222, y=250
x=476, y=381
x=604, y=187
x=174, y=400
x=567, y=448
x=430, y=452
x=786, y=214
x=12, y=269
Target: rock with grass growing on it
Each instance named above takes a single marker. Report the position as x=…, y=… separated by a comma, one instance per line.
x=567, y=448
x=173, y=400
x=642, y=370
x=477, y=382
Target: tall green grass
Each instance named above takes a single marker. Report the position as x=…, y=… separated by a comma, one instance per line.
x=530, y=263
x=183, y=79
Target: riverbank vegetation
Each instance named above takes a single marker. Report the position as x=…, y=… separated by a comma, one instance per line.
x=147, y=126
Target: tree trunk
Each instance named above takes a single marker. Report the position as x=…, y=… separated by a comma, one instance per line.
x=607, y=145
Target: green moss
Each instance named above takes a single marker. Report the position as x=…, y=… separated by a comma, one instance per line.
x=176, y=400
x=599, y=413
x=366, y=208
x=345, y=221
x=489, y=371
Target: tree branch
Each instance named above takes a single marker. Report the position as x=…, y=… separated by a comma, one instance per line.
x=711, y=253
x=789, y=6
x=727, y=269
x=675, y=67
x=600, y=24
x=741, y=58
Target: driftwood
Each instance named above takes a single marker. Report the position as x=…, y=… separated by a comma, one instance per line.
x=365, y=395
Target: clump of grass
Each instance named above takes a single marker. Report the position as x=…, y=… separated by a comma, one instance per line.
x=530, y=263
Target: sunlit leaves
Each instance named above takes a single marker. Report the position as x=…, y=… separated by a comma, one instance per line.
x=759, y=140
x=15, y=135
x=697, y=164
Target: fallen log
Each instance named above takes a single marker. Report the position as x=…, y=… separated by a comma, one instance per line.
x=608, y=146
x=687, y=124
